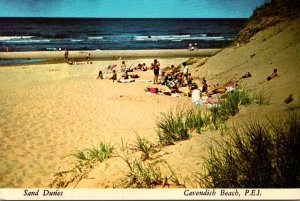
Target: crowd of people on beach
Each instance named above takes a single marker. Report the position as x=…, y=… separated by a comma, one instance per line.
x=174, y=78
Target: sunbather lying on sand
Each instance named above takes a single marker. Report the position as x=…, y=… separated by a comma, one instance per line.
x=134, y=76
x=273, y=75
x=217, y=91
x=246, y=75
x=138, y=67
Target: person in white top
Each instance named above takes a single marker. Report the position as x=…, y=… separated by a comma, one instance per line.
x=191, y=48
x=196, y=46
x=185, y=71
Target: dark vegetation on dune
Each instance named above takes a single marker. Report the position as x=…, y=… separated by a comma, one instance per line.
x=266, y=16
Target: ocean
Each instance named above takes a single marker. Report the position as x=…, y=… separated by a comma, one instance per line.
x=26, y=34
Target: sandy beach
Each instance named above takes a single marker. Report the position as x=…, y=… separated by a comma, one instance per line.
x=49, y=111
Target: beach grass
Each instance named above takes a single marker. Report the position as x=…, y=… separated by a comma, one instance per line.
x=261, y=97
x=144, y=145
x=228, y=106
x=100, y=152
x=197, y=119
x=177, y=125
x=143, y=175
x=256, y=155
x=174, y=178
x=172, y=127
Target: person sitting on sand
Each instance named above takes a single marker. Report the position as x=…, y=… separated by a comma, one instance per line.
x=144, y=67
x=179, y=78
x=246, y=75
x=125, y=76
x=123, y=66
x=162, y=77
x=189, y=79
x=174, y=69
x=114, y=76
x=192, y=86
x=129, y=69
x=204, y=86
x=100, y=75
x=169, y=77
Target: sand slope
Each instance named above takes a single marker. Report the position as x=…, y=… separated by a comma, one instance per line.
x=275, y=47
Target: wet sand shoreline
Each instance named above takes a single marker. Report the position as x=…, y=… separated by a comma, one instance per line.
x=108, y=54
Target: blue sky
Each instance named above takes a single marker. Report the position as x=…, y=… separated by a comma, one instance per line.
x=130, y=8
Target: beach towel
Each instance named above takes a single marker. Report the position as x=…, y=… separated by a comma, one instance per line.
x=199, y=102
x=229, y=89
x=126, y=80
x=153, y=90
x=212, y=100
x=195, y=95
x=230, y=85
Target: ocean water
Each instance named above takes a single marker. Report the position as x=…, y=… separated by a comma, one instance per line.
x=22, y=34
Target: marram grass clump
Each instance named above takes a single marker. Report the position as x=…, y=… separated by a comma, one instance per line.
x=172, y=127
x=97, y=153
x=256, y=156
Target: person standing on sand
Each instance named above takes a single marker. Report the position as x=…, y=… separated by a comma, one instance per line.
x=88, y=58
x=195, y=46
x=186, y=71
x=190, y=46
x=156, y=65
x=67, y=55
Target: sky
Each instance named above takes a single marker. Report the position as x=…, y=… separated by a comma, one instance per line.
x=130, y=8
